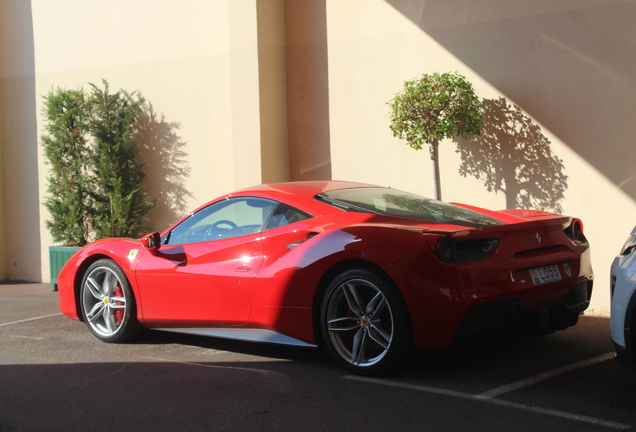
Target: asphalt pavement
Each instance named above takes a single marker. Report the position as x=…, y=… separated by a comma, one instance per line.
x=55, y=376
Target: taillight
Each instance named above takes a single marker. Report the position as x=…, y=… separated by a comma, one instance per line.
x=575, y=231
x=450, y=250
x=445, y=250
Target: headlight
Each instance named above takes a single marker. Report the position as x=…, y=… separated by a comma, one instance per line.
x=629, y=246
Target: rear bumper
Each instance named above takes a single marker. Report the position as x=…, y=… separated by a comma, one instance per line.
x=447, y=302
x=448, y=305
x=510, y=313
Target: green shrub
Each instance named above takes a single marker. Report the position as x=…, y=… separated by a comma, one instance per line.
x=95, y=183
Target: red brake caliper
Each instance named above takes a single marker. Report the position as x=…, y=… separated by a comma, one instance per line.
x=119, y=314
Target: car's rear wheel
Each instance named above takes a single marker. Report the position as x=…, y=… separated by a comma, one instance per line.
x=363, y=321
x=108, y=304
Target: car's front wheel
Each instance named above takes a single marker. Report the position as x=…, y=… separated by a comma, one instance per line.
x=108, y=304
x=364, y=322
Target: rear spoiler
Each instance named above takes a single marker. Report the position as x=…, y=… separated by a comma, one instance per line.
x=512, y=215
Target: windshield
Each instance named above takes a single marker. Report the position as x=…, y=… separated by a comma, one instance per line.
x=391, y=202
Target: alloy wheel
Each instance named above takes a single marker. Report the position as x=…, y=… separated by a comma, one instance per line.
x=360, y=322
x=104, y=301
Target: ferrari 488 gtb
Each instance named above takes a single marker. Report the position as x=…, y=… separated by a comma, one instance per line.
x=365, y=271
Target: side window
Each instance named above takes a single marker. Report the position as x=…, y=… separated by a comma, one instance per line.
x=284, y=215
x=229, y=218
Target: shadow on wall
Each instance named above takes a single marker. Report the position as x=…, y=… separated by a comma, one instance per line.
x=512, y=156
x=162, y=150
x=570, y=65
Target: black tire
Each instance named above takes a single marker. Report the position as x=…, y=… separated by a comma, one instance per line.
x=108, y=304
x=364, y=322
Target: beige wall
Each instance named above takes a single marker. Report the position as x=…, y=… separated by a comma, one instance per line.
x=246, y=91
x=178, y=58
x=569, y=65
x=213, y=72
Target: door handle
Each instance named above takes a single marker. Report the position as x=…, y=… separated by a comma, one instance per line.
x=243, y=268
x=297, y=243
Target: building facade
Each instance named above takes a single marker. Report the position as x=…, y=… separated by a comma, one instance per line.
x=242, y=92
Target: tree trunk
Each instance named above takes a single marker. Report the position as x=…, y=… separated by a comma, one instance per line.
x=435, y=178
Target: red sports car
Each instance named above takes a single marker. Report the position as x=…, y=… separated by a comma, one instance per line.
x=367, y=272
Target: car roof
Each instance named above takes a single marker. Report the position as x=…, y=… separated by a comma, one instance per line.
x=300, y=193
x=306, y=188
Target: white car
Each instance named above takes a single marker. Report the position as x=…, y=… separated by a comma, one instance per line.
x=623, y=295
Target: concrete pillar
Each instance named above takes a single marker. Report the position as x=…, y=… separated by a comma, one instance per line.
x=273, y=90
x=259, y=103
x=244, y=83
x=308, y=90
x=19, y=188
x=3, y=240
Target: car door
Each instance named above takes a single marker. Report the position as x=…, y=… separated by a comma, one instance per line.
x=203, y=274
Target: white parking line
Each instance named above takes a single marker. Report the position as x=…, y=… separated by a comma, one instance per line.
x=213, y=366
x=493, y=401
x=29, y=319
x=26, y=337
x=545, y=375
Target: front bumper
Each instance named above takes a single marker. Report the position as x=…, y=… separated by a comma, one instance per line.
x=625, y=357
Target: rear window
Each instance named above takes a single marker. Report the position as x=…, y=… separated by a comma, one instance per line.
x=391, y=202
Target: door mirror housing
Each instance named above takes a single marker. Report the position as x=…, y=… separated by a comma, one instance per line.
x=151, y=241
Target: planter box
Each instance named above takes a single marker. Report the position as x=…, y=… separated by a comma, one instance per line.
x=58, y=255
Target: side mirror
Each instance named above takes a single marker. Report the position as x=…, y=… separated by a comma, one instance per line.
x=151, y=241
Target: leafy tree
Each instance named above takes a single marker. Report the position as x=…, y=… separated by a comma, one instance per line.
x=66, y=150
x=433, y=108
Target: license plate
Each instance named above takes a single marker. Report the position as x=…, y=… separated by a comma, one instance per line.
x=545, y=274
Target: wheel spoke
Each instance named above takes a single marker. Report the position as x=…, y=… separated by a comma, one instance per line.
x=373, y=304
x=106, y=283
x=363, y=349
x=96, y=311
x=342, y=321
x=118, y=302
x=353, y=299
x=357, y=346
x=111, y=326
x=379, y=331
x=94, y=289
